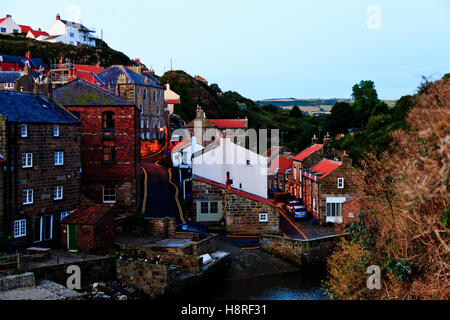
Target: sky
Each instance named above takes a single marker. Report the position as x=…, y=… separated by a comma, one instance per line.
x=271, y=49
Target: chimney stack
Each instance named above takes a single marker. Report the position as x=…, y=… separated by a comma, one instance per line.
x=200, y=112
x=346, y=161
x=327, y=148
x=314, y=140
x=58, y=17
x=8, y=16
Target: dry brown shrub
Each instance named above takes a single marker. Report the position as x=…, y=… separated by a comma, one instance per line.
x=406, y=202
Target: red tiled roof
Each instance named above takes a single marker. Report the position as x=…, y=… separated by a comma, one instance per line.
x=324, y=167
x=237, y=192
x=284, y=164
x=37, y=34
x=229, y=123
x=2, y=19
x=172, y=101
x=88, y=214
x=88, y=68
x=25, y=29
x=305, y=153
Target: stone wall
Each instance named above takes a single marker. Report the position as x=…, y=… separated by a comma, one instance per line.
x=24, y=280
x=152, y=279
x=93, y=270
x=300, y=252
x=161, y=227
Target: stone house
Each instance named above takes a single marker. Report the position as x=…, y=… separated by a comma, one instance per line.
x=241, y=212
x=110, y=144
x=42, y=171
x=329, y=184
x=89, y=227
x=350, y=210
x=208, y=131
x=280, y=174
x=141, y=90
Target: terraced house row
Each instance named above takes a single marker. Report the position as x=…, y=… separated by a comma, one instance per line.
x=322, y=178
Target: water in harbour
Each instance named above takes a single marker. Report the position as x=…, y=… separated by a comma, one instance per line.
x=291, y=286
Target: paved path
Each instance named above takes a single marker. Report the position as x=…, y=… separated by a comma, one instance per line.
x=160, y=193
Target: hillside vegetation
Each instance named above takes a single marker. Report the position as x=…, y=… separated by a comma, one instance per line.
x=17, y=45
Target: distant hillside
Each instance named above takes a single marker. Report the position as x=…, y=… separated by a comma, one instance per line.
x=19, y=45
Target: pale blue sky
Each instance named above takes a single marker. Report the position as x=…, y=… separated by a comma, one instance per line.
x=267, y=49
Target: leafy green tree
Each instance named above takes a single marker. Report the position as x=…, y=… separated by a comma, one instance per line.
x=341, y=118
x=215, y=87
x=296, y=112
x=380, y=108
x=365, y=98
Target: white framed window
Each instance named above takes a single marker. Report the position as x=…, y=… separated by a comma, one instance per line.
x=157, y=110
x=211, y=207
x=142, y=135
x=155, y=97
x=109, y=193
x=27, y=160
x=27, y=196
x=334, y=209
x=248, y=163
x=59, y=158
x=147, y=124
x=58, y=194
x=56, y=131
x=139, y=90
x=142, y=108
x=340, y=183
x=147, y=135
x=9, y=85
x=263, y=217
x=64, y=214
x=142, y=124
x=295, y=173
x=20, y=228
x=24, y=130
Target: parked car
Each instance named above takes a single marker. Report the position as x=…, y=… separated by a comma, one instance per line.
x=293, y=203
x=299, y=212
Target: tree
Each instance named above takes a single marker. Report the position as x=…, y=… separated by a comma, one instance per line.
x=380, y=108
x=341, y=118
x=215, y=87
x=296, y=112
x=365, y=98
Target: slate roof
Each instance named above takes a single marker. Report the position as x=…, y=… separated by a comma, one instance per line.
x=235, y=191
x=82, y=93
x=307, y=152
x=88, y=214
x=11, y=76
x=25, y=107
x=75, y=25
x=111, y=75
x=322, y=169
x=20, y=61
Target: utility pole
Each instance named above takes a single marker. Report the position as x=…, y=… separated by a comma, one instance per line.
x=171, y=64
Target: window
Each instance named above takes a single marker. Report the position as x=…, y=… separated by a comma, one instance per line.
x=142, y=109
x=20, y=228
x=109, y=194
x=3, y=30
x=108, y=120
x=147, y=123
x=157, y=110
x=295, y=173
x=72, y=35
x=214, y=208
x=185, y=157
x=155, y=98
x=142, y=135
x=248, y=163
x=43, y=228
x=27, y=160
x=59, y=158
x=240, y=186
x=58, y=194
x=139, y=90
x=147, y=135
x=340, y=183
x=24, y=131
x=15, y=31
x=263, y=217
x=145, y=94
x=204, y=207
x=64, y=214
x=142, y=124
x=9, y=85
x=109, y=151
x=334, y=209
x=56, y=131
x=27, y=197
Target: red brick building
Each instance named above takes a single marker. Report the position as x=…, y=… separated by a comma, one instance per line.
x=280, y=174
x=328, y=185
x=91, y=226
x=110, y=143
x=350, y=210
x=40, y=144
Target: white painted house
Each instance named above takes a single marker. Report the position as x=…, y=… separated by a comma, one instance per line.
x=182, y=153
x=73, y=33
x=171, y=98
x=243, y=168
x=8, y=25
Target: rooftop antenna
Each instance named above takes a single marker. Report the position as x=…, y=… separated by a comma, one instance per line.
x=171, y=64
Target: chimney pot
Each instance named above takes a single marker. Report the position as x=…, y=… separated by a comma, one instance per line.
x=8, y=16
x=58, y=17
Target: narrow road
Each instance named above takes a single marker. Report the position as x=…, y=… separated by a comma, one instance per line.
x=160, y=193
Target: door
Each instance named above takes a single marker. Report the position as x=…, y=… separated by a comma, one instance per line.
x=72, y=235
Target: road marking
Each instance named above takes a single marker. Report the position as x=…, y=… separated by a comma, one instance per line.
x=294, y=225
x=144, y=204
x=154, y=154
x=180, y=210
